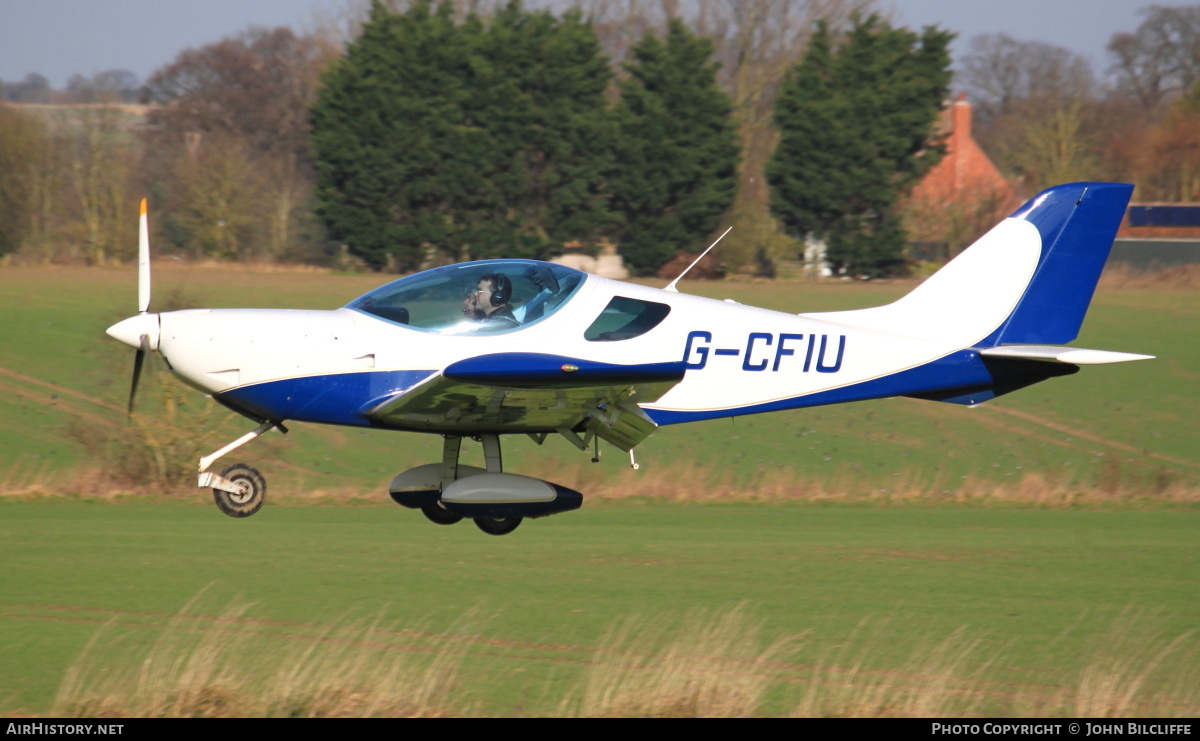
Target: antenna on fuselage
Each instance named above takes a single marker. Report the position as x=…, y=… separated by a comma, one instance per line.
x=671, y=287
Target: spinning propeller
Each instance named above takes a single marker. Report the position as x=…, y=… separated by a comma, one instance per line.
x=140, y=331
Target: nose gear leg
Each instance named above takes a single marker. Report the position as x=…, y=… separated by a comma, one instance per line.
x=209, y=479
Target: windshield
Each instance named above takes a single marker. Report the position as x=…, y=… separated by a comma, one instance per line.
x=474, y=298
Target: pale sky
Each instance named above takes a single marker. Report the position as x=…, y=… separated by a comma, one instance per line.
x=58, y=38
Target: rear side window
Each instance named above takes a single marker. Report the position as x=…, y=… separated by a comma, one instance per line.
x=626, y=318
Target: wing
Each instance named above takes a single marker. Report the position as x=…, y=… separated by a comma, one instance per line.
x=534, y=393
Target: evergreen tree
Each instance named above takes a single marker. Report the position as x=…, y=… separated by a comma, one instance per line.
x=855, y=125
x=678, y=151
x=385, y=139
x=477, y=139
x=538, y=90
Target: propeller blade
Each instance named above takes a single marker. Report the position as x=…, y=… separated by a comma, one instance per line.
x=138, y=360
x=143, y=260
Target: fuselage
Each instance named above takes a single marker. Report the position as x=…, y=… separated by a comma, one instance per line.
x=333, y=366
x=424, y=352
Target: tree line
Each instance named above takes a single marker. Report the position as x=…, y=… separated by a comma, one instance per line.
x=431, y=132
x=1046, y=116
x=480, y=138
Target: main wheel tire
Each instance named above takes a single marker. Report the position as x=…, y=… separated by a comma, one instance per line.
x=247, y=501
x=497, y=525
x=435, y=513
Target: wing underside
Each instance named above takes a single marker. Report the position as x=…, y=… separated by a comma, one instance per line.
x=525, y=393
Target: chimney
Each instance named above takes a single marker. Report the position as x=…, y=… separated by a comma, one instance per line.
x=962, y=118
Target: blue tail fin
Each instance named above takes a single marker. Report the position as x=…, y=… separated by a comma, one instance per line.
x=1077, y=223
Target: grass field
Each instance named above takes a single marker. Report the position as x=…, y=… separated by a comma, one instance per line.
x=1028, y=601
x=1041, y=556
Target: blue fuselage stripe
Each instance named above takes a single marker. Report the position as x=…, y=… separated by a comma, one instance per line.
x=964, y=369
x=343, y=398
x=338, y=399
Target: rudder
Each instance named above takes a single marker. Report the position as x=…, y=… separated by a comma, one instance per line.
x=1077, y=223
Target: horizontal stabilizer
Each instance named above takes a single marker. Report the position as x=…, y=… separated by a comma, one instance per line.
x=1060, y=354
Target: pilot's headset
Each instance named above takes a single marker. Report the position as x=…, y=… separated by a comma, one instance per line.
x=502, y=288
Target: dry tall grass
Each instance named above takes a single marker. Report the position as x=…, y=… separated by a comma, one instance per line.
x=698, y=483
x=715, y=667
x=940, y=679
x=710, y=664
x=1133, y=671
x=1123, y=679
x=114, y=478
x=29, y=479
x=201, y=667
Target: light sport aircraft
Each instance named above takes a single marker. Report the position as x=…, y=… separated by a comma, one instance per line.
x=539, y=349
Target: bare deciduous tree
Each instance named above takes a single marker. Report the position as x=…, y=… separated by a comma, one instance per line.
x=1001, y=73
x=218, y=197
x=251, y=92
x=34, y=88
x=1057, y=147
x=1034, y=104
x=20, y=141
x=101, y=154
x=257, y=86
x=104, y=86
x=1162, y=57
x=1168, y=165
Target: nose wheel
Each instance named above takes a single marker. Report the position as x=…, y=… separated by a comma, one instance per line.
x=239, y=490
x=250, y=490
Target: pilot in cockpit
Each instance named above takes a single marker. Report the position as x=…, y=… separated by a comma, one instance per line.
x=491, y=302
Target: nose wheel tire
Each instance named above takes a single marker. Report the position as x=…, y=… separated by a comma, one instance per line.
x=497, y=525
x=436, y=514
x=252, y=490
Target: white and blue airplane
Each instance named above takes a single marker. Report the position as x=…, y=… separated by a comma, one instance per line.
x=503, y=347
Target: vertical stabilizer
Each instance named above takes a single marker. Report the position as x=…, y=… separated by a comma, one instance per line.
x=1077, y=223
x=1028, y=281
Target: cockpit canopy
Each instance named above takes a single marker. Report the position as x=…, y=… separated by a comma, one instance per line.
x=435, y=300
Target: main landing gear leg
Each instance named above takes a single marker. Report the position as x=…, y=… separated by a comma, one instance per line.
x=495, y=464
x=239, y=491
x=434, y=511
x=491, y=453
x=451, y=445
